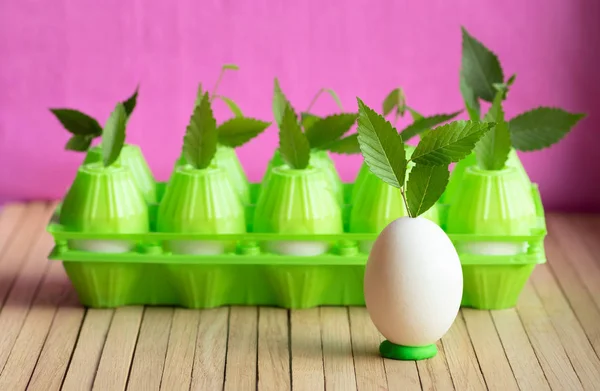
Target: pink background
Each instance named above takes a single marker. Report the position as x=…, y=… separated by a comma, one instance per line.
x=90, y=54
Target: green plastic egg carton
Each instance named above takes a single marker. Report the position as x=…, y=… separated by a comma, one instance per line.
x=150, y=276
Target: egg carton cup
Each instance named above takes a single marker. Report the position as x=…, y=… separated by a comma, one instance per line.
x=226, y=158
x=131, y=157
x=251, y=275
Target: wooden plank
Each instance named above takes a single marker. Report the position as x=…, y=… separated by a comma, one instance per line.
x=88, y=350
x=434, y=373
x=401, y=375
x=337, y=349
x=368, y=363
x=571, y=334
x=28, y=346
x=18, y=249
x=518, y=349
x=545, y=342
x=462, y=361
x=273, y=350
x=576, y=293
x=115, y=361
x=28, y=229
x=151, y=350
x=570, y=236
x=211, y=349
x=240, y=373
x=587, y=226
x=32, y=258
x=177, y=374
x=307, y=354
x=10, y=220
x=56, y=353
x=491, y=356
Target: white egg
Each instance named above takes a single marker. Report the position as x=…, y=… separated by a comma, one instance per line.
x=494, y=248
x=196, y=247
x=413, y=282
x=102, y=246
x=303, y=249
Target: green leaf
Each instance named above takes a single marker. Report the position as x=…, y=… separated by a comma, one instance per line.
x=541, y=128
x=329, y=129
x=280, y=102
x=391, y=101
x=77, y=122
x=113, y=135
x=235, y=109
x=426, y=123
x=425, y=186
x=414, y=114
x=131, y=102
x=347, y=146
x=395, y=100
x=335, y=97
x=199, y=95
x=308, y=120
x=79, y=143
x=232, y=67
x=493, y=148
x=239, y=130
x=480, y=67
x=293, y=144
x=449, y=143
x=200, y=140
x=471, y=101
x=381, y=146
x=511, y=80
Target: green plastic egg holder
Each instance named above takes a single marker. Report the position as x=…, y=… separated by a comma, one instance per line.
x=248, y=276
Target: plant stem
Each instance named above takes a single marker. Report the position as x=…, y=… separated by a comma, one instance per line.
x=214, y=91
x=405, y=201
x=314, y=99
x=396, y=117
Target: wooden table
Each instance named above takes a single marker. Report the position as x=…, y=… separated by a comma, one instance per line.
x=49, y=342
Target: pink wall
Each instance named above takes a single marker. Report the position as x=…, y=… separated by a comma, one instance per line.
x=88, y=54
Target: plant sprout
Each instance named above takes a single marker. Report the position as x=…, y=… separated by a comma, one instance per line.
x=84, y=128
x=482, y=78
x=383, y=150
x=236, y=131
x=320, y=133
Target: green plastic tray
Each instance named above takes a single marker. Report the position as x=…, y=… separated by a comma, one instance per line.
x=149, y=276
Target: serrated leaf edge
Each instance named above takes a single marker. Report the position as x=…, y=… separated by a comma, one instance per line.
x=382, y=164
x=418, y=211
x=464, y=31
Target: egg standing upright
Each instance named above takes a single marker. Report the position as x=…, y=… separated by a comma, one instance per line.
x=413, y=281
x=413, y=287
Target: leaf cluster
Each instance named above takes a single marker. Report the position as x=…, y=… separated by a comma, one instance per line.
x=384, y=152
x=482, y=78
x=84, y=128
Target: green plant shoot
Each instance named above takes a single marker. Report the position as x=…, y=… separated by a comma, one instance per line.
x=238, y=130
x=482, y=78
x=201, y=136
x=84, y=128
x=394, y=102
x=493, y=148
x=113, y=135
x=383, y=150
x=322, y=133
x=331, y=93
x=293, y=144
x=233, y=107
